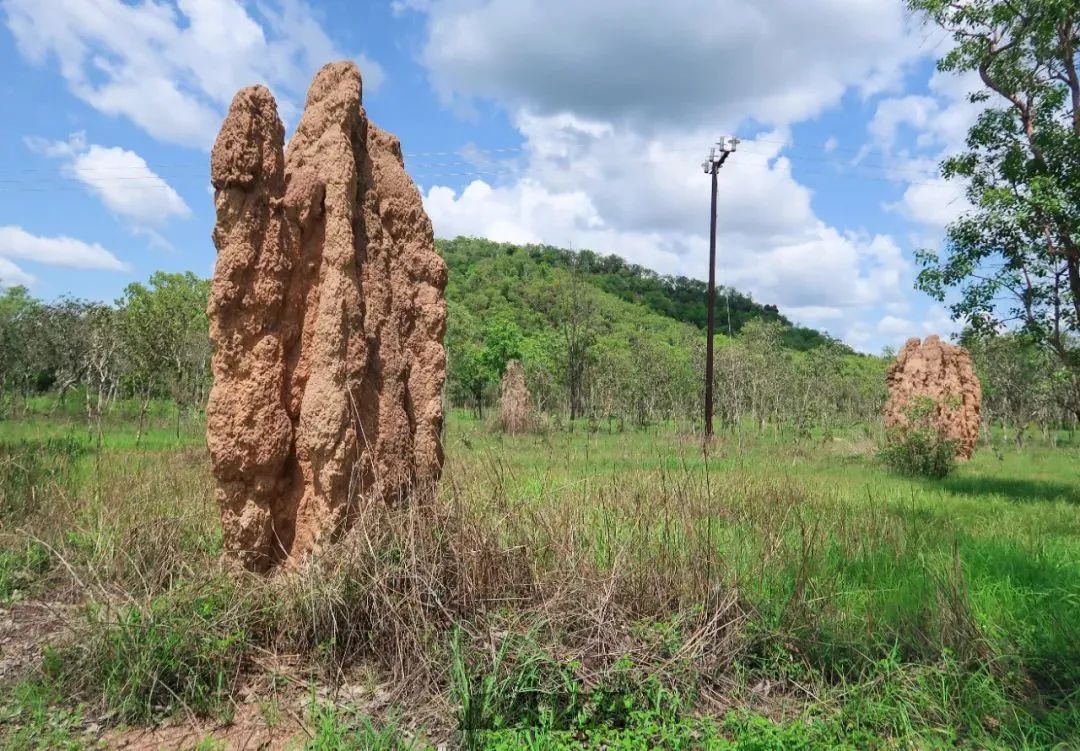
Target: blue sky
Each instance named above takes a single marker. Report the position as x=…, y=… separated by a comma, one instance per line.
x=574, y=124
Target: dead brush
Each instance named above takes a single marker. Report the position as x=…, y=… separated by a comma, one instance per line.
x=575, y=579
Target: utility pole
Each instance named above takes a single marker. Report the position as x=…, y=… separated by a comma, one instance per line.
x=718, y=154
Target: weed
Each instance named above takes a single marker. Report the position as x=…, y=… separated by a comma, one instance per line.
x=343, y=729
x=33, y=718
x=31, y=469
x=183, y=650
x=22, y=568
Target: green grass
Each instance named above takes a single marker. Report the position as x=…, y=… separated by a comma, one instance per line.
x=33, y=718
x=182, y=651
x=341, y=729
x=585, y=590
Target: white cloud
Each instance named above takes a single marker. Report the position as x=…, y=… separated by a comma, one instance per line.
x=622, y=60
x=172, y=69
x=830, y=144
x=933, y=203
x=574, y=189
x=12, y=276
x=895, y=330
x=121, y=179
x=617, y=103
x=913, y=134
x=17, y=243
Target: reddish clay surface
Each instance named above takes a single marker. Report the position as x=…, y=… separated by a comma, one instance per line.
x=942, y=372
x=327, y=314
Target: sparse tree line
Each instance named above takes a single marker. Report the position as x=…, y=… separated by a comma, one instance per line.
x=151, y=344
x=586, y=356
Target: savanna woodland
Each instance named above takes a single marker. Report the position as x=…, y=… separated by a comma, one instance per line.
x=599, y=577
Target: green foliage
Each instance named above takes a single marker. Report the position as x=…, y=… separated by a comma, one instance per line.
x=1021, y=171
x=599, y=337
x=678, y=297
x=33, y=718
x=23, y=359
x=21, y=569
x=342, y=729
x=183, y=649
x=520, y=688
x=164, y=325
x=918, y=447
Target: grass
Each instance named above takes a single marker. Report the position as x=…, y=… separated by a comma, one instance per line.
x=32, y=718
x=582, y=590
x=181, y=651
x=338, y=729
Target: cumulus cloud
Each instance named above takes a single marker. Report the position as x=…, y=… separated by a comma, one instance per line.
x=120, y=178
x=895, y=330
x=616, y=105
x=574, y=188
x=172, y=69
x=621, y=60
x=913, y=134
x=17, y=243
x=12, y=276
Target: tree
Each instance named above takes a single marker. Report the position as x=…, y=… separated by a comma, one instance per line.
x=22, y=348
x=503, y=341
x=164, y=331
x=67, y=328
x=1019, y=381
x=1015, y=258
x=569, y=304
x=477, y=356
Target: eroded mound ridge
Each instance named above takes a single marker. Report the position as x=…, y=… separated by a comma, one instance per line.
x=514, y=411
x=942, y=372
x=327, y=315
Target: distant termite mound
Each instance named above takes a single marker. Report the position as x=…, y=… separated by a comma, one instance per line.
x=514, y=412
x=327, y=317
x=943, y=373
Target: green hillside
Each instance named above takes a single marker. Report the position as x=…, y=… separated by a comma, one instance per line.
x=477, y=264
x=599, y=336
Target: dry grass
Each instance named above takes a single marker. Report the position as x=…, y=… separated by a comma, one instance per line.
x=560, y=571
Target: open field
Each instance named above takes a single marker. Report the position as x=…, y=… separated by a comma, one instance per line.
x=567, y=590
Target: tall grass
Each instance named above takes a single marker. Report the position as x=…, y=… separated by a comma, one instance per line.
x=561, y=583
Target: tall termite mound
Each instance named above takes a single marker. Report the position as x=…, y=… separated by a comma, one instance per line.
x=327, y=317
x=514, y=412
x=943, y=373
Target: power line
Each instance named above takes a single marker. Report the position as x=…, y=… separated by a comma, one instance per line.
x=422, y=169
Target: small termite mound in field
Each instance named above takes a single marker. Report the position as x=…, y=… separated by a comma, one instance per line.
x=515, y=414
x=941, y=372
x=327, y=314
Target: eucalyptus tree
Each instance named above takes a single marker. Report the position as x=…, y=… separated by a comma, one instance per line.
x=163, y=325
x=1014, y=258
x=23, y=346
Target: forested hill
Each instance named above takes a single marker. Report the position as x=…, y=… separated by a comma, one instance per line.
x=476, y=262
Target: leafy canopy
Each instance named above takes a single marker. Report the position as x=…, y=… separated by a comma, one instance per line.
x=1014, y=259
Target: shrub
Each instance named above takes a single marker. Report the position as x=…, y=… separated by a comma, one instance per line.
x=919, y=447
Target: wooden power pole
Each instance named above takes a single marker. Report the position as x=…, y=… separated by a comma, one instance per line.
x=718, y=154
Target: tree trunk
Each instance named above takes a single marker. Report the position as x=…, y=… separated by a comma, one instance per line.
x=142, y=419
